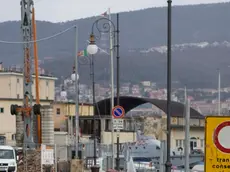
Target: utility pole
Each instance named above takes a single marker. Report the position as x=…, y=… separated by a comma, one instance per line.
x=187, y=129
x=219, y=107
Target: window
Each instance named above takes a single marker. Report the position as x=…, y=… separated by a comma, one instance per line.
x=18, y=80
x=18, y=96
x=177, y=143
x=13, y=137
x=195, y=144
x=180, y=143
x=58, y=111
x=107, y=124
x=47, y=83
x=202, y=143
x=47, y=98
x=1, y=110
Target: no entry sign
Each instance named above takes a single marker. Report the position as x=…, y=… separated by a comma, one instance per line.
x=217, y=143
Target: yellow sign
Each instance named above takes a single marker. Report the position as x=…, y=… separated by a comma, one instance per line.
x=217, y=144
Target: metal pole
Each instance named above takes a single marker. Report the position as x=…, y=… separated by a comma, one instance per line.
x=187, y=129
x=162, y=156
x=94, y=118
x=118, y=91
x=219, y=92
x=55, y=153
x=168, y=163
x=112, y=87
x=76, y=90
x=118, y=64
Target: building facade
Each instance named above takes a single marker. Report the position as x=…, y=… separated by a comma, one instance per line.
x=156, y=126
x=64, y=121
x=11, y=92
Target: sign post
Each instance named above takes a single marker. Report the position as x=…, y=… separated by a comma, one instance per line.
x=118, y=113
x=217, y=143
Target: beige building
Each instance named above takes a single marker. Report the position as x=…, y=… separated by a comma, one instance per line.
x=11, y=92
x=65, y=110
x=196, y=134
x=64, y=114
x=156, y=126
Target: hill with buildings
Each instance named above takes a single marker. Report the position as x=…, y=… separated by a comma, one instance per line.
x=200, y=45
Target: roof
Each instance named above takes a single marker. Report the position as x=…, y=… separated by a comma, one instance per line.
x=72, y=102
x=128, y=103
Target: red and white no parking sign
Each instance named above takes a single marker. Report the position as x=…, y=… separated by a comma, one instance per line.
x=221, y=137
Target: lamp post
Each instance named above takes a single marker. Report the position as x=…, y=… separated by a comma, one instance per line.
x=108, y=27
x=168, y=163
x=118, y=89
x=75, y=77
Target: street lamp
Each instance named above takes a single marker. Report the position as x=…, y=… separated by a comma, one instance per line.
x=108, y=27
x=92, y=48
x=168, y=163
x=73, y=77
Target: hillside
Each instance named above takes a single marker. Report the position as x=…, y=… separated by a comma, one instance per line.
x=141, y=32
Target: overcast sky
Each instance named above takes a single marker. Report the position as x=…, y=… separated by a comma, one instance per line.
x=62, y=10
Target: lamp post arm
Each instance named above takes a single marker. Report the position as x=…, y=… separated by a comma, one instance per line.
x=105, y=27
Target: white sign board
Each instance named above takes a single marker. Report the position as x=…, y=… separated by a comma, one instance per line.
x=47, y=157
x=118, y=124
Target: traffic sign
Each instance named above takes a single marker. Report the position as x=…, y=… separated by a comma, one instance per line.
x=217, y=143
x=118, y=124
x=118, y=112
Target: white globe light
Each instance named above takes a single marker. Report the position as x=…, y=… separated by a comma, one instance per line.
x=92, y=49
x=63, y=94
x=73, y=77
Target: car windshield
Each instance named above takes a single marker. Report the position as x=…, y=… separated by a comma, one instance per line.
x=6, y=154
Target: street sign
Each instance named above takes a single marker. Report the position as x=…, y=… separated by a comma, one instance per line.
x=217, y=143
x=118, y=112
x=47, y=157
x=118, y=124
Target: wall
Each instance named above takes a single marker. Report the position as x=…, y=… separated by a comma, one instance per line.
x=179, y=134
x=12, y=86
x=124, y=137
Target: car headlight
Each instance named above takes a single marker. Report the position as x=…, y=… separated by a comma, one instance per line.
x=12, y=164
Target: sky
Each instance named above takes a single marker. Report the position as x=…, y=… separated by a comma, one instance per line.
x=64, y=10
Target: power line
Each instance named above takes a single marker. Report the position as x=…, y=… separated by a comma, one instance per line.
x=39, y=40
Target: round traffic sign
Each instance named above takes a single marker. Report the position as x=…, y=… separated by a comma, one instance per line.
x=118, y=112
x=220, y=137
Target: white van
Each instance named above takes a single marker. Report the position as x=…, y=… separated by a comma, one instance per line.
x=8, y=159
